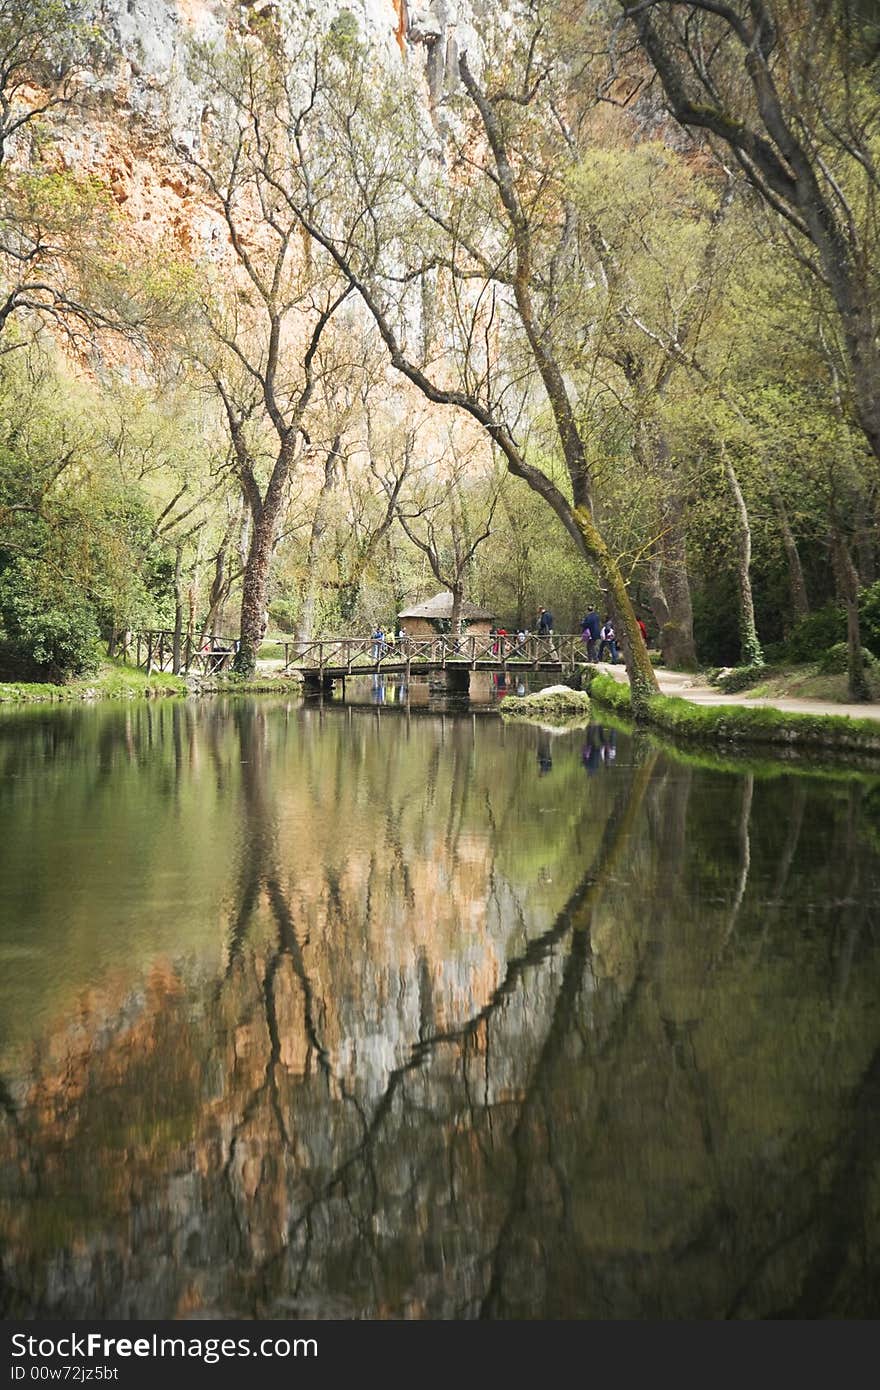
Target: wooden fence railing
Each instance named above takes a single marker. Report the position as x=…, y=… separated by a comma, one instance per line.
x=158, y=649
x=350, y=654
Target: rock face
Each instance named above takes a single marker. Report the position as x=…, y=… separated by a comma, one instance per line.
x=147, y=87
x=149, y=37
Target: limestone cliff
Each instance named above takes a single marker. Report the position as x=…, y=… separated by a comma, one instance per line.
x=117, y=134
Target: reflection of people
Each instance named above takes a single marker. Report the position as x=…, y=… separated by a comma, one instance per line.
x=590, y=756
x=545, y=759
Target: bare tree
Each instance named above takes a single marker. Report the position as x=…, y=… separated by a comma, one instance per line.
x=494, y=247
x=263, y=330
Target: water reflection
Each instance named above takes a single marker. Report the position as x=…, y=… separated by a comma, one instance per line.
x=334, y=1012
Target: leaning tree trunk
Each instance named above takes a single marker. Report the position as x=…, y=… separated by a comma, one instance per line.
x=455, y=619
x=750, y=646
x=177, y=639
x=640, y=672
x=848, y=584
x=677, y=635
x=866, y=532
x=800, y=606
x=669, y=595
x=306, y=624
x=656, y=593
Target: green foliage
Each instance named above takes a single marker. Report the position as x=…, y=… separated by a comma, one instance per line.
x=835, y=661
x=552, y=701
x=344, y=33
x=112, y=681
x=815, y=633
x=741, y=678
x=869, y=617
x=79, y=551
x=47, y=630
x=284, y=613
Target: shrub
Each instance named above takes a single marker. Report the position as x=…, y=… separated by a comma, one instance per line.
x=740, y=678
x=835, y=661
x=815, y=633
x=45, y=635
x=869, y=617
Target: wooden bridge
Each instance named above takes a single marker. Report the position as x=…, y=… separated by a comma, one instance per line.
x=333, y=658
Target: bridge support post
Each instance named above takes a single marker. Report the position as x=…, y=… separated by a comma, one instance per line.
x=450, y=680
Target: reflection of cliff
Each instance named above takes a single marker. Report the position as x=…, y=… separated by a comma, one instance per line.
x=649, y=1108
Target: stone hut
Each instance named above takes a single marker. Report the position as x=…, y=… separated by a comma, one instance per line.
x=434, y=617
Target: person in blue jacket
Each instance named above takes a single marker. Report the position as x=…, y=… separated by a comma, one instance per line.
x=590, y=626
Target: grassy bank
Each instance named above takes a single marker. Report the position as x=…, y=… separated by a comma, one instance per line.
x=733, y=724
x=228, y=683
x=112, y=681
x=116, y=681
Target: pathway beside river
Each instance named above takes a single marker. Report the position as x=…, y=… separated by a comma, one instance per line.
x=693, y=687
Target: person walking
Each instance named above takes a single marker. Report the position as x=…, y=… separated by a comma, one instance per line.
x=378, y=642
x=590, y=628
x=608, y=641
x=545, y=622
x=643, y=630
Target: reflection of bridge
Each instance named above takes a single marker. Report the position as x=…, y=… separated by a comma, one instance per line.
x=333, y=658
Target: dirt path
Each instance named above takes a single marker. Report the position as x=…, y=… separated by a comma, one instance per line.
x=694, y=688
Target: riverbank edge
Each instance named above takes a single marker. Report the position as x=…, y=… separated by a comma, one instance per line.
x=125, y=683
x=738, y=724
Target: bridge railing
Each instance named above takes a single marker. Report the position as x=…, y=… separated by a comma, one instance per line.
x=156, y=650
x=351, y=654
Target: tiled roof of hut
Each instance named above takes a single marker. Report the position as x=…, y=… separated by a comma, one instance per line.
x=440, y=606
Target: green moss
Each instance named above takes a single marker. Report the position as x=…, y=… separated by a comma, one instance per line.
x=743, y=724
x=557, y=700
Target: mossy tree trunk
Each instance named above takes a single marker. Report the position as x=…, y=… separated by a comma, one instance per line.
x=848, y=584
x=750, y=646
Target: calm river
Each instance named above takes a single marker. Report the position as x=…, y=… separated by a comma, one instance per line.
x=352, y=1012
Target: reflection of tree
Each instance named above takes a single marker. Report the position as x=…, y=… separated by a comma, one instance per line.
x=611, y=1117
